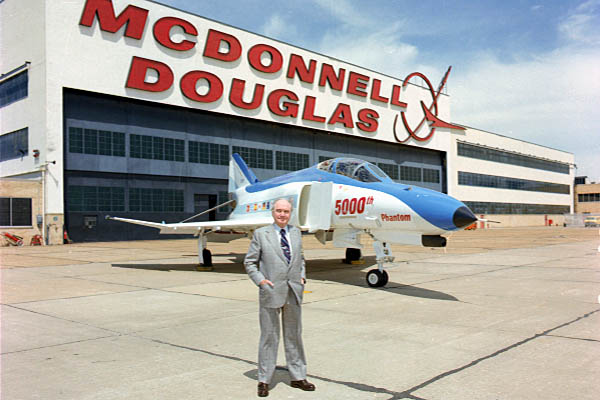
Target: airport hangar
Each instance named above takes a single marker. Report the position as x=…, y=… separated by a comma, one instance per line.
x=132, y=108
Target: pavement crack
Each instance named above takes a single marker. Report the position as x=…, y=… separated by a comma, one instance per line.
x=73, y=297
x=496, y=353
x=575, y=338
x=59, y=344
x=115, y=333
x=353, y=385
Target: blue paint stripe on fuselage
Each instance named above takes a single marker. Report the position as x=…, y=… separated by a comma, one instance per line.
x=435, y=207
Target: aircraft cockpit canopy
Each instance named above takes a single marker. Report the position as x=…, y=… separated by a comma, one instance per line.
x=354, y=168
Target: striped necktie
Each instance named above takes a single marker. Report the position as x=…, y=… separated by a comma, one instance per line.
x=285, y=246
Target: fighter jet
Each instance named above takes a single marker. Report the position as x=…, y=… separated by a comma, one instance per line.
x=338, y=200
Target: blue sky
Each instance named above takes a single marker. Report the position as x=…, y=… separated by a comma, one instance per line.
x=524, y=69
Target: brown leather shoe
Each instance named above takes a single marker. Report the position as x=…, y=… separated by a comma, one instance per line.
x=304, y=385
x=263, y=389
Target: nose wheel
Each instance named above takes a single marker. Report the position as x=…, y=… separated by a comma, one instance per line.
x=383, y=253
x=377, y=278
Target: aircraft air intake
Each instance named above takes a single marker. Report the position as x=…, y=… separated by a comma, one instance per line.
x=433, y=241
x=463, y=217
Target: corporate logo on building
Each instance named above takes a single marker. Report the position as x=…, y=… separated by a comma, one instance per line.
x=224, y=51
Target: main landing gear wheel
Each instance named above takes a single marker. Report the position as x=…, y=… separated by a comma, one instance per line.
x=351, y=255
x=377, y=278
x=207, y=257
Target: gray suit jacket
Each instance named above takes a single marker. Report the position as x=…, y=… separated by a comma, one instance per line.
x=265, y=260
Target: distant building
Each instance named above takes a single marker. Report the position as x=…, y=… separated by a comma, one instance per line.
x=587, y=196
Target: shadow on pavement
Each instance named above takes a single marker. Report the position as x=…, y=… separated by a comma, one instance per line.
x=325, y=270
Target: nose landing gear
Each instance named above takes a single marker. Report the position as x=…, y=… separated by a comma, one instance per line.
x=383, y=253
x=377, y=278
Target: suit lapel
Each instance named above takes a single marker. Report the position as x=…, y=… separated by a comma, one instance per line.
x=275, y=242
x=294, y=244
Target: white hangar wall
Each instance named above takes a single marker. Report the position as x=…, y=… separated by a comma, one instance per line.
x=492, y=168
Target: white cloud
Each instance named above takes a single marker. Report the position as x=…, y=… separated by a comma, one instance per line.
x=344, y=12
x=278, y=27
x=377, y=50
x=583, y=25
x=550, y=100
x=359, y=38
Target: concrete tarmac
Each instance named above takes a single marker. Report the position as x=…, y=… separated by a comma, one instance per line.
x=498, y=314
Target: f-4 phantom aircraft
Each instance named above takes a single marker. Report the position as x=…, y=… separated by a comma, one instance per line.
x=339, y=200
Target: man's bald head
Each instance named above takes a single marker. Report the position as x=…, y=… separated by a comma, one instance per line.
x=281, y=211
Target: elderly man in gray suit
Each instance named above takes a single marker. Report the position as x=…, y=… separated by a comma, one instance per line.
x=275, y=263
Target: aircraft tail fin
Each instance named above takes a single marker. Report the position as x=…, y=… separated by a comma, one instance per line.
x=239, y=173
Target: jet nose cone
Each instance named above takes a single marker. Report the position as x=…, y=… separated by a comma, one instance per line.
x=463, y=217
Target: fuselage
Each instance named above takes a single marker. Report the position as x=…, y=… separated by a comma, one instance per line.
x=361, y=201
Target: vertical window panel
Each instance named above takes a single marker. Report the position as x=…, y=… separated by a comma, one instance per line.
x=90, y=141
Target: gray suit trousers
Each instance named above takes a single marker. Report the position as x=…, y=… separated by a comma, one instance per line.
x=292, y=336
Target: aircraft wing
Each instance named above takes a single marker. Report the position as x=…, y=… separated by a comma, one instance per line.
x=244, y=225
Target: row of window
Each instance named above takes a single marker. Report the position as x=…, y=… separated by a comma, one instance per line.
x=505, y=157
x=588, y=197
x=101, y=198
x=155, y=200
x=502, y=182
x=208, y=153
x=93, y=141
x=156, y=148
x=14, y=144
x=481, y=207
x=15, y=211
x=14, y=89
x=255, y=158
x=286, y=161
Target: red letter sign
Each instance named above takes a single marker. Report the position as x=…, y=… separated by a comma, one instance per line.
x=188, y=86
x=162, y=33
x=213, y=42
x=138, y=71
x=257, y=51
x=134, y=17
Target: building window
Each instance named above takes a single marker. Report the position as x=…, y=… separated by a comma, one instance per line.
x=390, y=169
x=13, y=89
x=324, y=158
x=155, y=200
x=156, y=148
x=481, y=207
x=255, y=158
x=501, y=182
x=505, y=157
x=14, y=144
x=118, y=144
x=290, y=161
x=95, y=198
x=208, y=153
x=98, y=142
x=75, y=140
x=588, y=197
x=15, y=211
x=431, y=175
x=223, y=198
x=412, y=174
